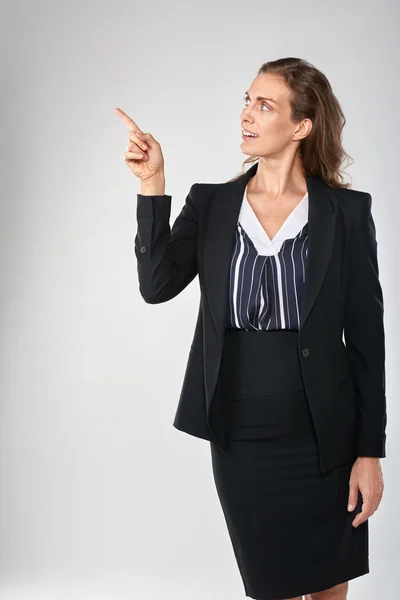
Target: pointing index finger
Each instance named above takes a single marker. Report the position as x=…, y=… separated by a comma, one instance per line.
x=127, y=120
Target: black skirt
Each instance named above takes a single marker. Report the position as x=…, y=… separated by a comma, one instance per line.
x=289, y=525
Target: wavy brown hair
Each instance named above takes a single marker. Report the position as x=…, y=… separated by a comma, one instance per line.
x=321, y=151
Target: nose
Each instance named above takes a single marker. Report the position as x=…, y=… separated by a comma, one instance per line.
x=245, y=115
x=245, y=122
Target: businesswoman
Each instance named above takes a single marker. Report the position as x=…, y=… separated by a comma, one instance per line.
x=286, y=257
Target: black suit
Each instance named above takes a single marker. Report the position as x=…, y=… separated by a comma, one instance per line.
x=345, y=383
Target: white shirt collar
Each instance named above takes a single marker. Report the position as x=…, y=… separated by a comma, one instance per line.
x=290, y=228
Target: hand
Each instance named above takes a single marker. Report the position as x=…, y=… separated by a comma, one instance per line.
x=144, y=162
x=366, y=476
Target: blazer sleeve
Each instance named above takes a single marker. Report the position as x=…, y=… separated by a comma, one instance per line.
x=166, y=258
x=364, y=334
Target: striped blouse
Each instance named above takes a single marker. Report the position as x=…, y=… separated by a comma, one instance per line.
x=267, y=275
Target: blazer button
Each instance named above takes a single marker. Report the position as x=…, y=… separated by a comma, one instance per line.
x=305, y=351
x=143, y=249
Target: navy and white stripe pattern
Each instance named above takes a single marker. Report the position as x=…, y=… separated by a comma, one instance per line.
x=267, y=276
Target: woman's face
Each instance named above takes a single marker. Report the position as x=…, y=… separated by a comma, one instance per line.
x=269, y=118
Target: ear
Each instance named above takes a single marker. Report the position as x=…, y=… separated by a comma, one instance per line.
x=303, y=129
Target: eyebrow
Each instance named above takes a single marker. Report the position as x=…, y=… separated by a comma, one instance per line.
x=261, y=98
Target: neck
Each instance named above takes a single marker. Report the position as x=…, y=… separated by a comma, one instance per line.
x=279, y=179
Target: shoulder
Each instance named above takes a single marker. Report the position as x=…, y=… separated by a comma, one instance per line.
x=201, y=193
x=206, y=188
x=351, y=203
x=349, y=195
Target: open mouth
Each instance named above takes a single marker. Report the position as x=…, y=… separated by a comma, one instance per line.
x=249, y=138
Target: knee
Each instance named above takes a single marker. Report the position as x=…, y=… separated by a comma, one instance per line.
x=337, y=592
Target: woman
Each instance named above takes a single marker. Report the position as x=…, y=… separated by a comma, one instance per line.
x=287, y=262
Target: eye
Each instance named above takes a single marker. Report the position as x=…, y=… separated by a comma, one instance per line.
x=245, y=98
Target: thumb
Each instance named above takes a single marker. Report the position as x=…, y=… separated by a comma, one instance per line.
x=353, y=496
x=146, y=137
x=149, y=139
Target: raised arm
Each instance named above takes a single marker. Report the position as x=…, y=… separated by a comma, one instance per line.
x=166, y=258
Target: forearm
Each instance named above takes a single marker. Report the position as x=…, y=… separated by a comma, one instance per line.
x=166, y=258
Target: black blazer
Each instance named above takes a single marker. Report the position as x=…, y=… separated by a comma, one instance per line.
x=344, y=382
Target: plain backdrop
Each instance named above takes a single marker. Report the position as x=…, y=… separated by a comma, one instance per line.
x=100, y=496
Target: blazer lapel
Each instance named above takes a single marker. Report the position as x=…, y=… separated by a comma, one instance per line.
x=220, y=235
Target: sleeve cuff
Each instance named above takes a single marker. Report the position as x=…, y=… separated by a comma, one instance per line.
x=372, y=447
x=149, y=206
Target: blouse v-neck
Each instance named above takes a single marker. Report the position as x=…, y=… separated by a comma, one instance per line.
x=293, y=223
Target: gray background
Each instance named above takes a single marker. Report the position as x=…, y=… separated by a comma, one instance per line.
x=100, y=497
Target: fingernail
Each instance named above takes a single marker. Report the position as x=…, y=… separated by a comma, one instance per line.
x=350, y=507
